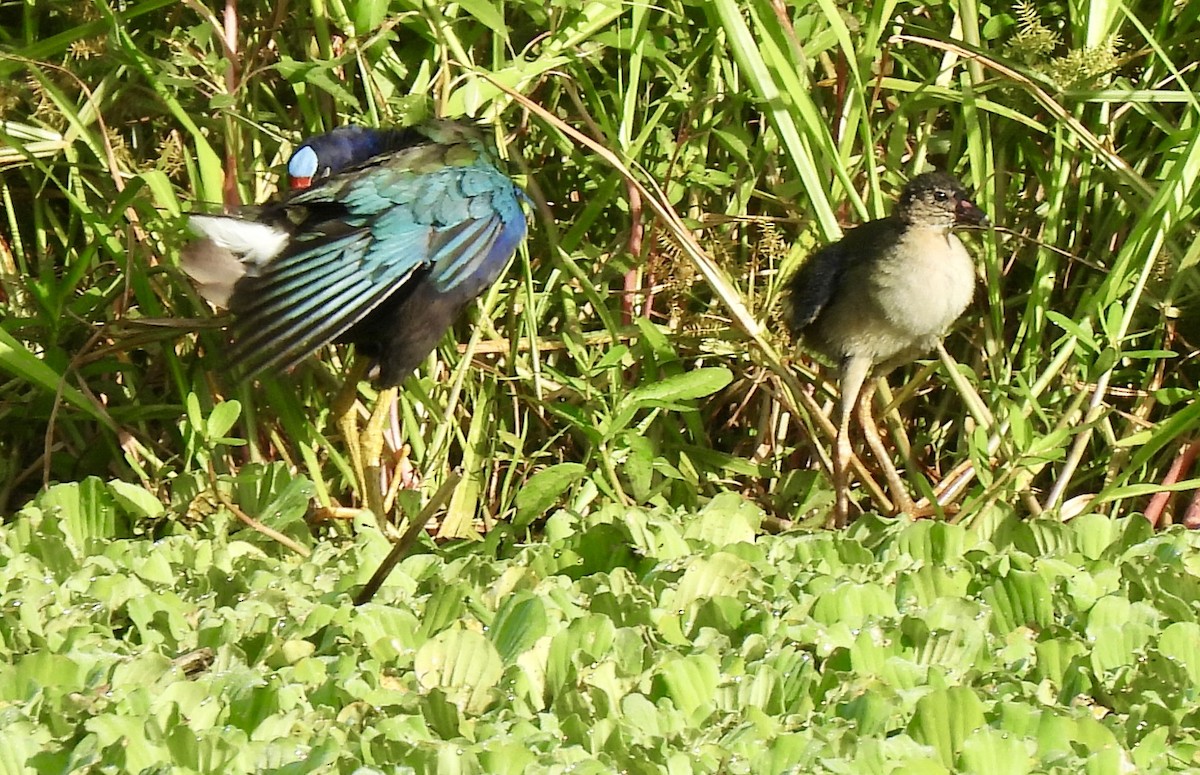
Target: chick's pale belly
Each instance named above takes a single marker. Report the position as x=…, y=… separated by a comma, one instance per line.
x=906, y=305
x=929, y=290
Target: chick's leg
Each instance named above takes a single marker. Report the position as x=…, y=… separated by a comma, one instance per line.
x=866, y=419
x=851, y=375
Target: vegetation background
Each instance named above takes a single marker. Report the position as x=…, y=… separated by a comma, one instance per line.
x=178, y=556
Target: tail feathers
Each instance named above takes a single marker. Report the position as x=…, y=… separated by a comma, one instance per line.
x=255, y=243
x=214, y=269
x=231, y=249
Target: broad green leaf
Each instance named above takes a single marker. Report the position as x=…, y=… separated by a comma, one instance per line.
x=928, y=583
x=874, y=654
x=444, y=607
x=1096, y=533
x=20, y=740
x=956, y=650
x=723, y=574
x=1057, y=734
x=368, y=14
x=86, y=511
x=1109, y=761
x=463, y=664
x=933, y=542
x=507, y=758
x=1054, y=658
x=945, y=719
x=726, y=519
x=992, y=752
x=691, y=684
x=519, y=623
x=1020, y=599
x=1178, y=642
x=671, y=390
x=1119, y=631
x=222, y=418
x=544, y=489
x=1154, y=751
x=488, y=14
x=136, y=500
x=853, y=604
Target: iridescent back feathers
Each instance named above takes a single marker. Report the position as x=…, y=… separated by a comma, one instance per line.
x=387, y=236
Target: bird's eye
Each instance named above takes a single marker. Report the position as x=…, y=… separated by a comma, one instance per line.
x=940, y=196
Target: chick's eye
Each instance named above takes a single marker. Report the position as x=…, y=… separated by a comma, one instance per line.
x=940, y=196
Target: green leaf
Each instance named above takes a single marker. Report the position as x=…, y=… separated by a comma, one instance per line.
x=945, y=718
x=1020, y=599
x=462, y=664
x=726, y=519
x=723, y=574
x=488, y=14
x=1178, y=642
x=86, y=511
x=369, y=14
x=671, y=390
x=992, y=752
x=519, y=623
x=853, y=604
x=691, y=684
x=544, y=489
x=23, y=364
x=933, y=542
x=136, y=500
x=20, y=741
x=222, y=418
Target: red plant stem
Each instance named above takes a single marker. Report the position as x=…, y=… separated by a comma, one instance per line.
x=1181, y=463
x=229, y=191
x=633, y=276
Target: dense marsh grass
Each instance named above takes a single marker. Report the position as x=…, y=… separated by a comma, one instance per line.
x=766, y=128
x=623, y=414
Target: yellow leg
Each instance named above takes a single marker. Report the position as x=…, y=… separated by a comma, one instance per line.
x=374, y=486
x=345, y=415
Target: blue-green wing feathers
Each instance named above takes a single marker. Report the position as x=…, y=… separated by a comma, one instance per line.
x=384, y=254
